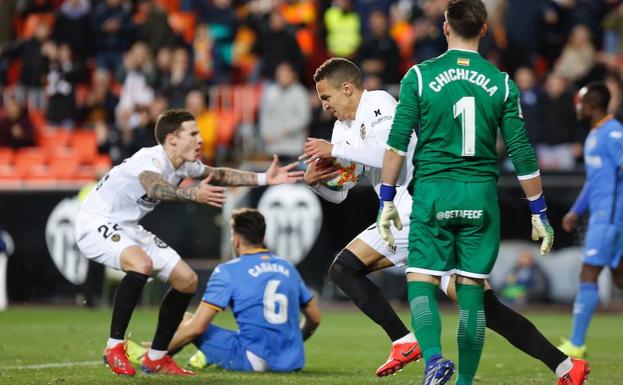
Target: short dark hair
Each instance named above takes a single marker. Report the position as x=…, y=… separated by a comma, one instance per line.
x=466, y=17
x=597, y=95
x=249, y=224
x=169, y=122
x=338, y=70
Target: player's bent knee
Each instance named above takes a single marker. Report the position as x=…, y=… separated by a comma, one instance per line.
x=186, y=283
x=345, y=265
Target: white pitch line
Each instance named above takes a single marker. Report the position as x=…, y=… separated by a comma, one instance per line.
x=52, y=365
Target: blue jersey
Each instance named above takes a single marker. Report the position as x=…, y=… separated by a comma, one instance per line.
x=603, y=190
x=265, y=293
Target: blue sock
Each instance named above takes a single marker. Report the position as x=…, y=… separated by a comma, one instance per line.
x=585, y=303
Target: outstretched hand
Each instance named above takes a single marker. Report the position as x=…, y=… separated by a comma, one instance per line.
x=208, y=194
x=279, y=175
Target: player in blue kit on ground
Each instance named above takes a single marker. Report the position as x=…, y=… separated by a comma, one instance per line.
x=266, y=294
x=602, y=196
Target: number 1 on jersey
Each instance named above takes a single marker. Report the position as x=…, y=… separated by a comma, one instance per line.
x=466, y=106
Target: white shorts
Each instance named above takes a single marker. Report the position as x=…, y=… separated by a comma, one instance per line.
x=102, y=240
x=398, y=256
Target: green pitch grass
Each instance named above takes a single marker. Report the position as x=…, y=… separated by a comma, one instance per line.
x=64, y=346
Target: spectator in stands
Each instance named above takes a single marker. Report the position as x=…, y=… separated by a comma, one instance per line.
x=101, y=101
x=164, y=58
x=62, y=78
x=284, y=114
x=223, y=23
x=202, y=53
x=523, y=21
x=559, y=139
x=526, y=283
x=142, y=134
x=343, y=27
x=276, y=44
x=180, y=80
x=113, y=31
x=613, y=31
x=72, y=28
x=529, y=99
x=430, y=40
x=8, y=11
x=16, y=129
x=154, y=29
x=577, y=57
x=379, y=54
x=138, y=75
x=206, y=122
x=34, y=64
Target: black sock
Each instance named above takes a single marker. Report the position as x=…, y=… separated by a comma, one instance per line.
x=520, y=332
x=171, y=313
x=350, y=275
x=127, y=296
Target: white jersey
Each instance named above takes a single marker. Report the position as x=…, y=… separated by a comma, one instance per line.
x=363, y=140
x=120, y=196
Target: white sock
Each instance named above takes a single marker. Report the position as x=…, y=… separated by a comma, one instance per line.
x=156, y=354
x=564, y=367
x=408, y=338
x=112, y=342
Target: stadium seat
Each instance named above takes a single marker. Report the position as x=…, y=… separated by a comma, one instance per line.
x=30, y=162
x=183, y=23
x=7, y=155
x=65, y=166
x=33, y=20
x=85, y=143
x=227, y=123
x=51, y=140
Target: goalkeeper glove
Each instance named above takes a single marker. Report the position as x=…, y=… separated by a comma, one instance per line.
x=541, y=228
x=387, y=214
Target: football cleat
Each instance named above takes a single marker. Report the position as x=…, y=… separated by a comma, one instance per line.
x=116, y=359
x=577, y=375
x=438, y=372
x=568, y=348
x=401, y=355
x=198, y=360
x=135, y=352
x=165, y=365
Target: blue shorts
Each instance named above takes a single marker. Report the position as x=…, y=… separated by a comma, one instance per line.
x=222, y=347
x=603, y=245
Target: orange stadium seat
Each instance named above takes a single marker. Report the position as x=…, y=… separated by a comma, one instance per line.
x=54, y=139
x=65, y=167
x=226, y=122
x=33, y=20
x=85, y=144
x=183, y=23
x=31, y=162
x=7, y=155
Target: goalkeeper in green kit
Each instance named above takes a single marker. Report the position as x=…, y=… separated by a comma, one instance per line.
x=457, y=101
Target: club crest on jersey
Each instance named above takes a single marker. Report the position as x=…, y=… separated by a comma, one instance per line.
x=160, y=243
x=156, y=162
x=462, y=61
x=362, y=131
x=115, y=238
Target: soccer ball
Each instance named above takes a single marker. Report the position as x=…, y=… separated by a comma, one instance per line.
x=348, y=177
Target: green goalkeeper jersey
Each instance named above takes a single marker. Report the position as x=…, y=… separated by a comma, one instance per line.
x=459, y=101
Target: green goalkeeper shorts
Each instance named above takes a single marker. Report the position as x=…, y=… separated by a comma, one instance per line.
x=454, y=228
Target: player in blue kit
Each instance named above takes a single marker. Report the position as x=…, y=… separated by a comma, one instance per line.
x=266, y=294
x=602, y=196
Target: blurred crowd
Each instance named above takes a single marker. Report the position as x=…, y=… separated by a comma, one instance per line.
x=244, y=68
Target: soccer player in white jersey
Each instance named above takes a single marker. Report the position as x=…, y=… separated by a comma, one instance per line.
x=359, y=134
x=364, y=119
x=108, y=232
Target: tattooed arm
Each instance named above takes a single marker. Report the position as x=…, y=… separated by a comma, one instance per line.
x=157, y=188
x=274, y=175
x=223, y=176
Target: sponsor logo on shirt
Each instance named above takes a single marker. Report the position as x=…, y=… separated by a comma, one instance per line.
x=377, y=112
x=381, y=119
x=362, y=131
x=591, y=252
x=616, y=134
